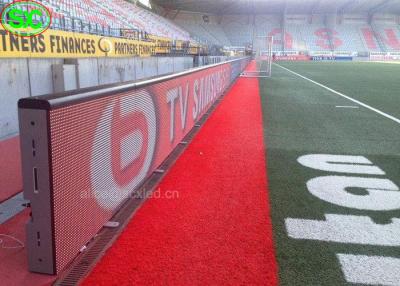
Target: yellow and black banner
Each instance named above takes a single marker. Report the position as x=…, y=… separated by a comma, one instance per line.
x=61, y=44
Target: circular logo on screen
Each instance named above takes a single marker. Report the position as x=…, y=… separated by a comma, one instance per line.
x=123, y=148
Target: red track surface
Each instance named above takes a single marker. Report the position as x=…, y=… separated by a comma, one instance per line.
x=218, y=231
x=10, y=168
x=14, y=262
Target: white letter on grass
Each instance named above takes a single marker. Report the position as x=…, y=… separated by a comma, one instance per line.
x=340, y=164
x=382, y=194
x=345, y=229
x=370, y=270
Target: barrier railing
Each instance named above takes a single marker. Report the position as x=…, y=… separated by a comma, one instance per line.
x=86, y=152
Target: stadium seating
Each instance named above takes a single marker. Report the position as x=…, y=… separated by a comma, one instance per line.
x=388, y=37
x=310, y=38
x=352, y=38
x=107, y=17
x=315, y=37
x=217, y=32
x=265, y=28
x=297, y=36
x=209, y=33
x=301, y=37
x=145, y=20
x=239, y=34
x=199, y=33
x=84, y=16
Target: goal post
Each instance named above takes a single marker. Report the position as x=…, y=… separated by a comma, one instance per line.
x=262, y=49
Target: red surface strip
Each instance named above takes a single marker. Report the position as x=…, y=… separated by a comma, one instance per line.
x=209, y=222
x=13, y=261
x=10, y=168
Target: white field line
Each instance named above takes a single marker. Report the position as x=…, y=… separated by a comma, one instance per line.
x=343, y=95
x=387, y=62
x=345, y=106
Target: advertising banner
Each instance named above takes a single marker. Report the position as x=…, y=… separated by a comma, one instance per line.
x=384, y=57
x=332, y=58
x=292, y=58
x=103, y=145
x=61, y=44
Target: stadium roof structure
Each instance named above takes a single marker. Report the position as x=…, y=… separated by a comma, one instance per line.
x=221, y=7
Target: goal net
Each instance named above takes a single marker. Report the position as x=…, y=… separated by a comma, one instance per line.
x=262, y=48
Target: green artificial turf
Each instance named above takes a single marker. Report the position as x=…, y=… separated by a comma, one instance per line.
x=301, y=118
x=376, y=84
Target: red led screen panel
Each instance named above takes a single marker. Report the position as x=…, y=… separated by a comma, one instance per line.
x=102, y=145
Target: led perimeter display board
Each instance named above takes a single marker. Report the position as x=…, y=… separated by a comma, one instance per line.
x=85, y=152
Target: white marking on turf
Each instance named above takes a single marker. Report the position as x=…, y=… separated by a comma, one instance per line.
x=340, y=164
x=352, y=107
x=382, y=194
x=342, y=95
x=345, y=229
x=370, y=270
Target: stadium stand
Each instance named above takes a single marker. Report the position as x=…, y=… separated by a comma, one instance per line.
x=111, y=17
x=239, y=34
x=309, y=31
x=218, y=33
x=388, y=36
x=209, y=33
x=199, y=32
x=148, y=21
x=298, y=40
x=266, y=27
x=351, y=36
x=108, y=18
